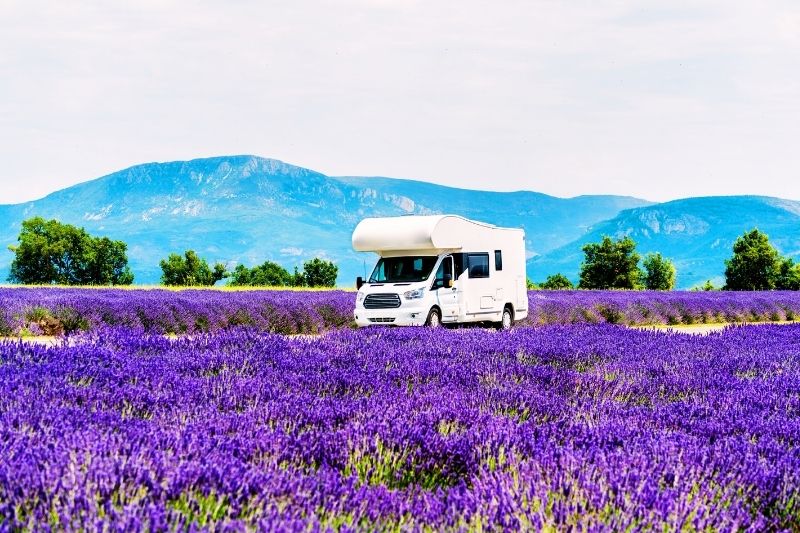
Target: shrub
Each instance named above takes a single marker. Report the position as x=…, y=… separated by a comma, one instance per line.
x=190, y=270
x=320, y=273
x=557, y=282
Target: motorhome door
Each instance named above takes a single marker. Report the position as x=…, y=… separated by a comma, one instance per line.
x=446, y=297
x=479, y=288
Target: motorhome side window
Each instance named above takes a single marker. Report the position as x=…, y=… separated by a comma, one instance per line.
x=498, y=260
x=445, y=268
x=478, y=265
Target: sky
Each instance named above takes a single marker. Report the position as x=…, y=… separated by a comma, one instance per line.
x=658, y=100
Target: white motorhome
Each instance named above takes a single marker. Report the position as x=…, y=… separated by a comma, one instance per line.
x=440, y=269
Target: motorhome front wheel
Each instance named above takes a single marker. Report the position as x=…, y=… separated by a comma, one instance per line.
x=434, y=319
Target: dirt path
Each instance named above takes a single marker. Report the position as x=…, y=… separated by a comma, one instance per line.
x=705, y=329
x=688, y=329
x=42, y=339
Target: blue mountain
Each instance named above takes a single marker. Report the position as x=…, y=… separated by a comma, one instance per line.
x=246, y=209
x=696, y=233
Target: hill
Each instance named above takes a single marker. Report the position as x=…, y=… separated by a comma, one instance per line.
x=247, y=209
x=696, y=233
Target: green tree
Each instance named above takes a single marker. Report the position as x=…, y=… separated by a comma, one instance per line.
x=267, y=274
x=530, y=285
x=190, y=270
x=659, y=273
x=610, y=264
x=108, y=263
x=51, y=252
x=298, y=280
x=754, y=265
x=788, y=276
x=320, y=273
x=557, y=282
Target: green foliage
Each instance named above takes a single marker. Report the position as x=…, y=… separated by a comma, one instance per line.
x=316, y=273
x=610, y=264
x=200, y=509
x=267, y=274
x=754, y=265
x=531, y=286
x=297, y=278
x=190, y=270
x=50, y=252
x=788, y=277
x=319, y=273
x=659, y=273
x=557, y=282
x=396, y=467
x=707, y=286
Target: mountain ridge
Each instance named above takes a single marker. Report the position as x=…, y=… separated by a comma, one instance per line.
x=696, y=233
x=246, y=209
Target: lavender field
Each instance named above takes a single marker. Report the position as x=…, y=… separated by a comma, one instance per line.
x=590, y=426
x=46, y=310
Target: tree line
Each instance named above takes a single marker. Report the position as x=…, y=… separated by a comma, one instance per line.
x=50, y=252
x=755, y=265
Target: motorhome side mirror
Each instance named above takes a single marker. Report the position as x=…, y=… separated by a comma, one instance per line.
x=359, y=282
x=448, y=280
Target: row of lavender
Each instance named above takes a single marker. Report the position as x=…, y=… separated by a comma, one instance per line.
x=53, y=310
x=579, y=427
x=659, y=307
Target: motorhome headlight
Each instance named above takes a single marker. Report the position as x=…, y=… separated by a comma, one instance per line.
x=360, y=297
x=413, y=295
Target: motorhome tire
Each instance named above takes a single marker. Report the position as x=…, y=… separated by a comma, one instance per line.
x=434, y=319
x=507, y=320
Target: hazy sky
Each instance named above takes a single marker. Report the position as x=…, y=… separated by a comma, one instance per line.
x=652, y=99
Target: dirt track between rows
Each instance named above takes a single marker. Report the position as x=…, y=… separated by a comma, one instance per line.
x=705, y=329
x=688, y=329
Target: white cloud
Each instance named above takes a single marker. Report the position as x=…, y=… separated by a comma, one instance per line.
x=659, y=100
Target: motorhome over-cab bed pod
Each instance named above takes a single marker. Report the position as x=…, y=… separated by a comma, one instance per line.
x=440, y=269
x=432, y=234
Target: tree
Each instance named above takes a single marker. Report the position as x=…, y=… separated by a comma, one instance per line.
x=298, y=280
x=610, y=264
x=108, y=263
x=51, y=252
x=190, y=270
x=557, y=282
x=320, y=273
x=788, y=276
x=754, y=265
x=659, y=273
x=267, y=274
x=530, y=285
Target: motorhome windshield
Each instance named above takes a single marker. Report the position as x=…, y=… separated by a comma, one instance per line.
x=403, y=269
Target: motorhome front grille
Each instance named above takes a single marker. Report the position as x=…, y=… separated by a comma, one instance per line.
x=382, y=300
x=385, y=320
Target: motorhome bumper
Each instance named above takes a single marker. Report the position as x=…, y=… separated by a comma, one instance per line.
x=395, y=317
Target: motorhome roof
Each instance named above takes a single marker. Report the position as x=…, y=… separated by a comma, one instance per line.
x=415, y=232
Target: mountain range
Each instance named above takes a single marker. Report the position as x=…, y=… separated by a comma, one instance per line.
x=246, y=209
